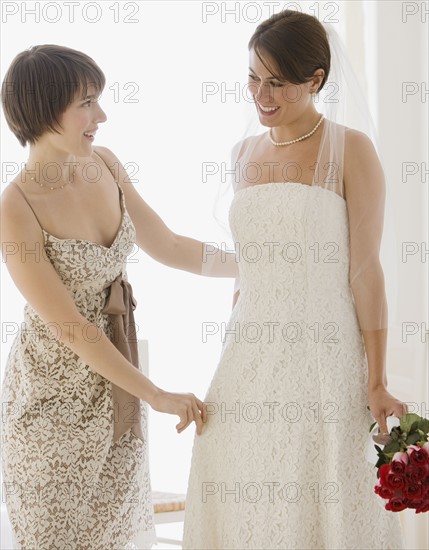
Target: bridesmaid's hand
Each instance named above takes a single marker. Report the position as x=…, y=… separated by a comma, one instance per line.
x=382, y=404
x=188, y=407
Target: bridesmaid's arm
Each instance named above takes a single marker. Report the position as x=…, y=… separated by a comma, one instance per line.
x=22, y=245
x=162, y=244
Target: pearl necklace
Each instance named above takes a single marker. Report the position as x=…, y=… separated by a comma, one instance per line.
x=279, y=144
x=32, y=178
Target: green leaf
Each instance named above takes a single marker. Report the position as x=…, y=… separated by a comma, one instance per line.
x=394, y=435
x=390, y=455
x=407, y=420
x=424, y=425
x=393, y=446
x=413, y=438
x=382, y=460
x=372, y=426
x=413, y=427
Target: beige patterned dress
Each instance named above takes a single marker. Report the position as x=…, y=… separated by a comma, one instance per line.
x=67, y=483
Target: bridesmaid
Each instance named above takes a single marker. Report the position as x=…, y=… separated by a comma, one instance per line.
x=75, y=455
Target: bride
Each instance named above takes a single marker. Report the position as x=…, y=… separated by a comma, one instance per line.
x=280, y=462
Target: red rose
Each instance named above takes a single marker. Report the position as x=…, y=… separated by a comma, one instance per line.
x=414, y=491
x=395, y=481
x=424, y=507
x=383, y=492
x=383, y=471
x=415, y=504
x=399, y=462
x=417, y=455
x=415, y=472
x=395, y=504
x=404, y=482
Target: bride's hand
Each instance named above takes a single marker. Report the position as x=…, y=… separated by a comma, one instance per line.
x=382, y=404
x=188, y=407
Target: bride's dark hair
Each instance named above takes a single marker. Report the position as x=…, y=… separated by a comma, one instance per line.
x=296, y=42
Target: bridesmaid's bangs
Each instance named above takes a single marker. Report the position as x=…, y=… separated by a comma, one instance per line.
x=41, y=83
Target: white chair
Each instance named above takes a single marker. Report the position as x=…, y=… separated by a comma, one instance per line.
x=168, y=507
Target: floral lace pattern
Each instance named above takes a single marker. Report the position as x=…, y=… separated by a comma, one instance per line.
x=281, y=462
x=67, y=486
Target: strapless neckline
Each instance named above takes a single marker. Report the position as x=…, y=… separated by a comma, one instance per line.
x=285, y=183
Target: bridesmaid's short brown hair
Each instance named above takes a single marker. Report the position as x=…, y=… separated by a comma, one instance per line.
x=39, y=86
x=296, y=42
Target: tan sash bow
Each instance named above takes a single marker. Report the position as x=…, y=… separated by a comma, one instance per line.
x=120, y=305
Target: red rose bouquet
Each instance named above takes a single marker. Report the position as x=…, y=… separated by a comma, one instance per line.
x=403, y=465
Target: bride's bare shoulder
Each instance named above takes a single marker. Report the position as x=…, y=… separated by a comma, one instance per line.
x=357, y=143
x=360, y=159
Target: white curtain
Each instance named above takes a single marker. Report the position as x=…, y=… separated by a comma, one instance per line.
x=387, y=41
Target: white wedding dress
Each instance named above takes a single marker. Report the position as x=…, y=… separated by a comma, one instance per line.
x=281, y=461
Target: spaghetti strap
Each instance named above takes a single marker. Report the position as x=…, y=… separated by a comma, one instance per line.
x=26, y=200
x=121, y=193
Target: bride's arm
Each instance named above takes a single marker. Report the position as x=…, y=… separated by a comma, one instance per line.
x=162, y=244
x=365, y=197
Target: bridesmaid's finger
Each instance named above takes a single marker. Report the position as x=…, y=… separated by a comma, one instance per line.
x=183, y=420
x=197, y=418
x=203, y=408
x=189, y=418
